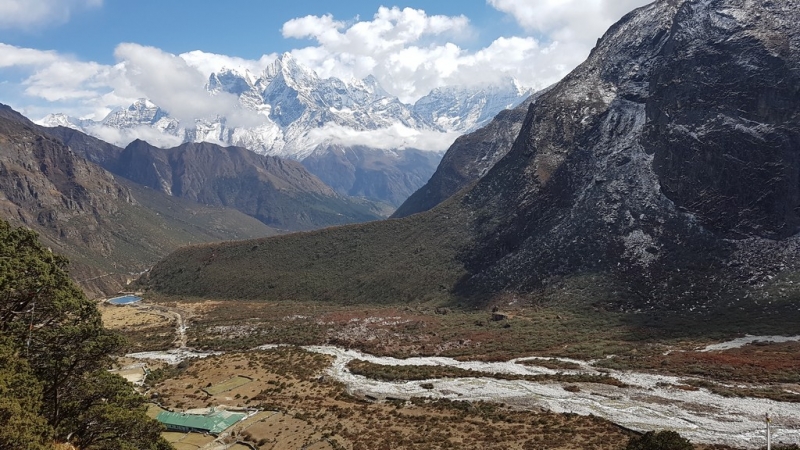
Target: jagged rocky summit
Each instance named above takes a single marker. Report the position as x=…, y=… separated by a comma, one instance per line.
x=299, y=111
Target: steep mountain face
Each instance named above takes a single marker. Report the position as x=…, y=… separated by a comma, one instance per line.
x=665, y=169
x=378, y=175
x=467, y=160
x=35, y=165
x=280, y=193
x=748, y=125
x=668, y=161
x=108, y=228
x=94, y=150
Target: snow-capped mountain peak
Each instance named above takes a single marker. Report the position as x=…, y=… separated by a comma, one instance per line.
x=466, y=108
x=293, y=74
x=142, y=112
x=61, y=120
x=230, y=80
x=304, y=110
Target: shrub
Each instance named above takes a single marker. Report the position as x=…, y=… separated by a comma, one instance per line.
x=662, y=440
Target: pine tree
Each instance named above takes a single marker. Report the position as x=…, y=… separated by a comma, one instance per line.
x=55, y=339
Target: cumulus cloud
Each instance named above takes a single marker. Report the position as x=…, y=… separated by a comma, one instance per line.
x=580, y=21
x=390, y=29
x=398, y=46
x=123, y=137
x=394, y=137
x=171, y=83
x=208, y=63
x=26, y=14
x=411, y=53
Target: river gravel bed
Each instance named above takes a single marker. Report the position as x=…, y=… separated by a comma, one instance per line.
x=651, y=402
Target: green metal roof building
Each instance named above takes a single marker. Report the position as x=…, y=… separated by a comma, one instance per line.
x=215, y=422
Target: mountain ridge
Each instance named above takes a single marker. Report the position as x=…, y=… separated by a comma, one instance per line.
x=109, y=228
x=291, y=99
x=268, y=188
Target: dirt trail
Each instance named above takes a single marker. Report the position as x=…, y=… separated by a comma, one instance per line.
x=180, y=316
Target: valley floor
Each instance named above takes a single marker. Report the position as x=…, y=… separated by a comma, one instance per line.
x=476, y=368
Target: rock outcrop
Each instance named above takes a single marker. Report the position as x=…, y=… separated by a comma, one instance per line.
x=468, y=159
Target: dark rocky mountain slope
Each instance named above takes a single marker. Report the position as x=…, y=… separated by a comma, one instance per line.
x=109, y=228
x=667, y=161
x=89, y=147
x=666, y=168
x=280, y=193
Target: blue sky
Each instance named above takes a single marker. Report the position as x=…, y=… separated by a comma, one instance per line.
x=246, y=29
x=86, y=57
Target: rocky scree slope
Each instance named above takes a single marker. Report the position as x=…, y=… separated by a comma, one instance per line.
x=666, y=165
x=109, y=228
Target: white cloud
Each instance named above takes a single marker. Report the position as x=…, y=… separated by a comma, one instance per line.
x=208, y=63
x=391, y=29
x=68, y=80
x=54, y=77
x=171, y=83
x=91, y=90
x=125, y=136
x=394, y=137
x=27, y=14
x=407, y=50
x=411, y=53
x=11, y=56
x=581, y=21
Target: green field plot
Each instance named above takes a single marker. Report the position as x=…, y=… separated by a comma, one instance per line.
x=227, y=385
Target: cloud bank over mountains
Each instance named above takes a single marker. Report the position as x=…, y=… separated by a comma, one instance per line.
x=408, y=51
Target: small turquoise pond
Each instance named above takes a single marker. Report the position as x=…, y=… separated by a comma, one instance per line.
x=124, y=300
